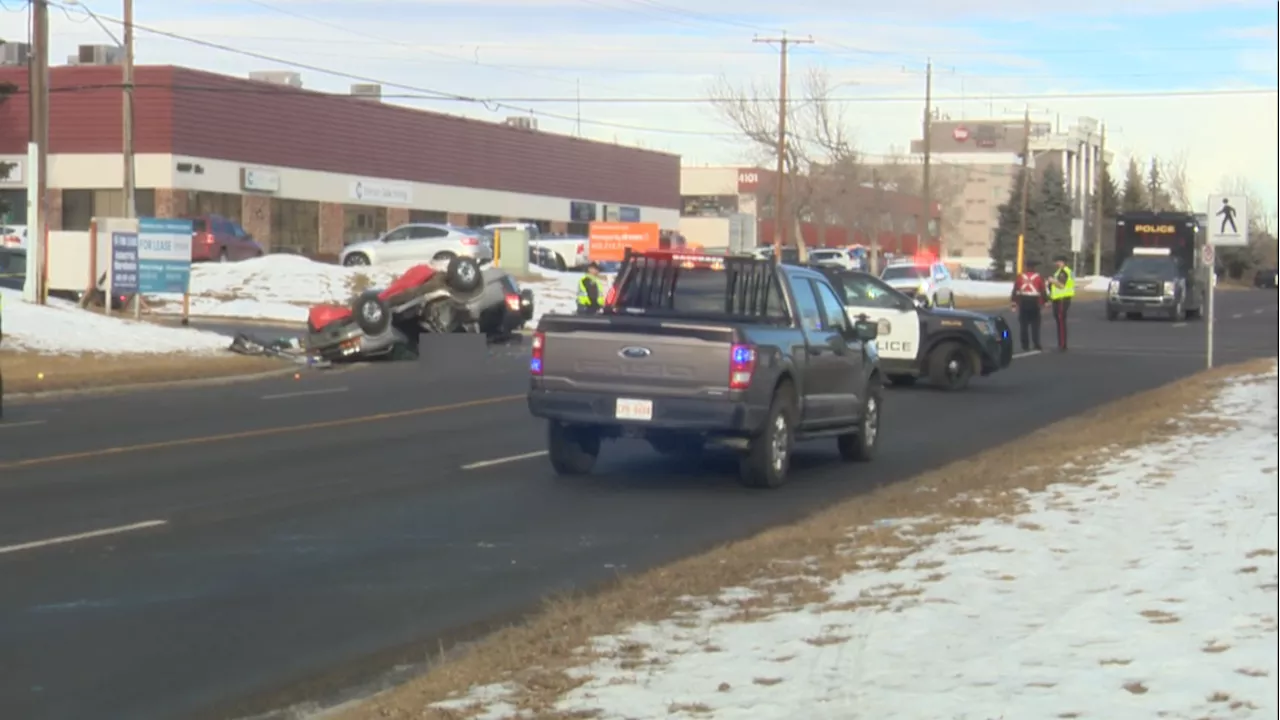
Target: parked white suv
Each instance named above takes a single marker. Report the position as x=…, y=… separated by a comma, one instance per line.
x=419, y=242
x=836, y=257
x=927, y=281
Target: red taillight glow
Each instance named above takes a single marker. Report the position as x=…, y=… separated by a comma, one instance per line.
x=513, y=302
x=470, y=241
x=611, y=296
x=208, y=239
x=742, y=366
x=535, y=363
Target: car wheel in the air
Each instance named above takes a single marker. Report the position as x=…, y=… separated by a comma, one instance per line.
x=861, y=446
x=371, y=313
x=463, y=274
x=572, y=450
x=951, y=366
x=768, y=461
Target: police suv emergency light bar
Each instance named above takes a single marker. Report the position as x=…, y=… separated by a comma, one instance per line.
x=1151, y=251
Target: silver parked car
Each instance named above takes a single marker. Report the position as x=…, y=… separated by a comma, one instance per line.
x=420, y=242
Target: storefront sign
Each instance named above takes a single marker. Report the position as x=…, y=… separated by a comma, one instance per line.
x=373, y=192
x=748, y=180
x=164, y=255
x=628, y=213
x=581, y=212
x=10, y=172
x=259, y=180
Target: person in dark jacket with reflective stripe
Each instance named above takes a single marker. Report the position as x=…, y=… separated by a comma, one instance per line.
x=1029, y=295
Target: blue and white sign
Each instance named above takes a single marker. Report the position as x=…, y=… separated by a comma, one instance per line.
x=124, y=263
x=164, y=255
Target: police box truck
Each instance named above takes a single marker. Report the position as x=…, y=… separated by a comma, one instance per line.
x=1158, y=267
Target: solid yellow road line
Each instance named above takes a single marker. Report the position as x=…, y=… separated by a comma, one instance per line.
x=250, y=434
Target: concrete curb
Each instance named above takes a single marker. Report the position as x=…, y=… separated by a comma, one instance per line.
x=30, y=397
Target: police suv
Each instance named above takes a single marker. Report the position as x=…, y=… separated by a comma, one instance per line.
x=917, y=339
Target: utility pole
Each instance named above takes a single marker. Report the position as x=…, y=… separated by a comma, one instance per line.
x=38, y=154
x=928, y=148
x=130, y=191
x=1099, y=167
x=779, y=207
x=1026, y=186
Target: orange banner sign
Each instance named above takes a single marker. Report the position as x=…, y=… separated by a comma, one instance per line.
x=608, y=241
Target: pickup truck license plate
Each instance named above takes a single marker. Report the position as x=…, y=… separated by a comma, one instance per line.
x=628, y=409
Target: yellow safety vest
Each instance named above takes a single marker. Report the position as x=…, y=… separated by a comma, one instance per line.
x=584, y=299
x=1068, y=280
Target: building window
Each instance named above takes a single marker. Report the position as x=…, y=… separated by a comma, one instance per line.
x=479, y=221
x=437, y=217
x=144, y=201
x=360, y=223
x=295, y=226
x=211, y=203
x=578, y=229
x=77, y=209
x=708, y=205
x=15, y=204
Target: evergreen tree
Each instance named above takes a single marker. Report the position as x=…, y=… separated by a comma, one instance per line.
x=1004, y=246
x=1157, y=196
x=1050, y=236
x=1110, y=192
x=1133, y=198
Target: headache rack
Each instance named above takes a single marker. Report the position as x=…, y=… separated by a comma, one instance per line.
x=647, y=282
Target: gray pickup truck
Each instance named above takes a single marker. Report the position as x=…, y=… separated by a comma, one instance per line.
x=695, y=351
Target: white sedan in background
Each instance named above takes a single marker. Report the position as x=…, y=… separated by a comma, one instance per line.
x=419, y=242
x=14, y=236
x=930, y=282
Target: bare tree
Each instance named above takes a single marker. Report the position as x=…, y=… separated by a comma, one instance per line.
x=1173, y=174
x=820, y=156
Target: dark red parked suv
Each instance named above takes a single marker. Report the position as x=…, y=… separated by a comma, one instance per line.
x=214, y=237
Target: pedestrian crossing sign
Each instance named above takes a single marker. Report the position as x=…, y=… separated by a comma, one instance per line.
x=1228, y=221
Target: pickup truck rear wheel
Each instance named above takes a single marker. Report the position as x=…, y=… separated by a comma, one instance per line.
x=861, y=446
x=573, y=450
x=766, y=464
x=951, y=366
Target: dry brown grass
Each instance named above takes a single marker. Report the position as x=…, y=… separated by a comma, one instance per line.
x=534, y=658
x=23, y=370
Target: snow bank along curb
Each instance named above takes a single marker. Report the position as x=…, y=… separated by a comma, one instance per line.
x=61, y=328
x=956, y=531
x=161, y=385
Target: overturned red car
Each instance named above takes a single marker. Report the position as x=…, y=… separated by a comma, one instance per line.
x=459, y=298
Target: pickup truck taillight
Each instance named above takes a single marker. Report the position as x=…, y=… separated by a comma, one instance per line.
x=742, y=365
x=610, y=296
x=208, y=239
x=513, y=303
x=535, y=363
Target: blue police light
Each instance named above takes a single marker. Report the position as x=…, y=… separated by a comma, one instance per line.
x=742, y=355
x=535, y=365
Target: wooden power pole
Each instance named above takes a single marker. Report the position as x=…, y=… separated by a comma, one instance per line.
x=779, y=207
x=927, y=217
x=130, y=190
x=1026, y=187
x=1099, y=167
x=39, y=133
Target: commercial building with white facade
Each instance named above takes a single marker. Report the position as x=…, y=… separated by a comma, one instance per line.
x=309, y=171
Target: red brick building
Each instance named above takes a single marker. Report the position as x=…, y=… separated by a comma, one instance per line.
x=311, y=170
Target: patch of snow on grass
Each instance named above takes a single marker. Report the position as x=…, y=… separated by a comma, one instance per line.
x=1149, y=592
x=61, y=328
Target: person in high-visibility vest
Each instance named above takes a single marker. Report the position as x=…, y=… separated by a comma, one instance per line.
x=589, y=300
x=1062, y=287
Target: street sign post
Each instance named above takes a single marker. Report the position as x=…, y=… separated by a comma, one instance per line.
x=1208, y=258
x=1077, y=243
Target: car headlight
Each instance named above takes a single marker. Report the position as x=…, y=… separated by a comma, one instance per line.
x=1113, y=287
x=986, y=327
x=1170, y=287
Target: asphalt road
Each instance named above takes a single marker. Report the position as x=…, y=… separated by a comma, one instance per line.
x=269, y=541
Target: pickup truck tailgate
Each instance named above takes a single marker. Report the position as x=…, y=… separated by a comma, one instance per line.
x=687, y=360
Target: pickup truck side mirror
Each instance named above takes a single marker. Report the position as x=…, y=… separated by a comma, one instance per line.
x=865, y=330
x=922, y=302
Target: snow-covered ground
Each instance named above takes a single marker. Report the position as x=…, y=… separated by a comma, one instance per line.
x=61, y=328
x=1148, y=593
